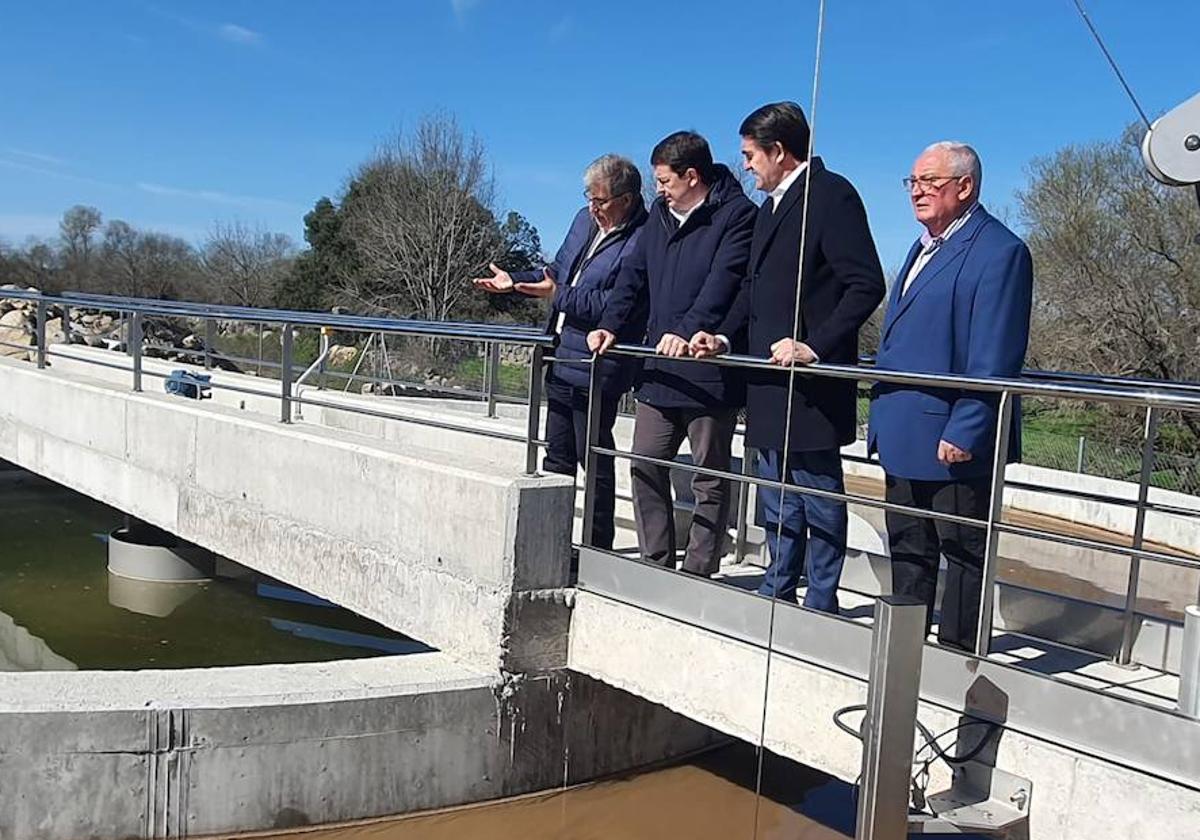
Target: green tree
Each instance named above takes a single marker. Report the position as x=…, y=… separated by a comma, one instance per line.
x=330, y=255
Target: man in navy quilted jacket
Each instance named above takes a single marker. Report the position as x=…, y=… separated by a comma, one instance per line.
x=687, y=268
x=577, y=284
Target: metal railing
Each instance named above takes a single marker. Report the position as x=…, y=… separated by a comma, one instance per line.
x=1152, y=398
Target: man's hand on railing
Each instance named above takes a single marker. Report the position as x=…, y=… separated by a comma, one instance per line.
x=499, y=283
x=543, y=288
x=949, y=454
x=600, y=340
x=705, y=344
x=788, y=351
x=672, y=345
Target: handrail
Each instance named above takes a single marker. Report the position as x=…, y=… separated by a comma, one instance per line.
x=1150, y=395
x=1032, y=382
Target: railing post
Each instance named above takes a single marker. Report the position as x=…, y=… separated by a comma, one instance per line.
x=210, y=338
x=987, y=586
x=41, y=333
x=134, y=343
x=897, y=641
x=749, y=457
x=65, y=320
x=533, y=426
x=491, y=383
x=1081, y=454
x=589, y=459
x=1189, y=664
x=285, y=376
x=1129, y=618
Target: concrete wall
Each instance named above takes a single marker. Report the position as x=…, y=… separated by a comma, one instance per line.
x=89, y=757
x=720, y=681
x=450, y=549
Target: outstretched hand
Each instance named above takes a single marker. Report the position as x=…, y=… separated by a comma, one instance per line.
x=500, y=282
x=543, y=288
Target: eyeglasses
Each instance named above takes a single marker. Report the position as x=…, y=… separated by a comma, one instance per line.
x=601, y=203
x=928, y=183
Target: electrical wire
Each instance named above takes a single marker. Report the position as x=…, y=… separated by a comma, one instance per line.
x=787, y=426
x=1112, y=62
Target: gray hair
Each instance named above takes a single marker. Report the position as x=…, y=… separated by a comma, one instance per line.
x=615, y=172
x=963, y=160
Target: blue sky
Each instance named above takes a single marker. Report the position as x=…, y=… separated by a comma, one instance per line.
x=176, y=115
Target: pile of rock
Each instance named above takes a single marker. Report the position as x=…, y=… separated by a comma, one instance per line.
x=163, y=338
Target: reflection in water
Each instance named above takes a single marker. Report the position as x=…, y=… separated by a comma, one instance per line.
x=711, y=798
x=148, y=597
x=60, y=608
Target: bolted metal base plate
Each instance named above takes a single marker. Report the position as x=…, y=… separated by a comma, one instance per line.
x=980, y=800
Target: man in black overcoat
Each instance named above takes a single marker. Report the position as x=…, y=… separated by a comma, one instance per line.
x=840, y=284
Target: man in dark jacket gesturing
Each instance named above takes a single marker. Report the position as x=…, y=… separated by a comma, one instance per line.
x=601, y=239
x=688, y=265
x=840, y=284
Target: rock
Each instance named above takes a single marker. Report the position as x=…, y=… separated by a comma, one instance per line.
x=54, y=332
x=95, y=341
x=15, y=330
x=191, y=341
x=14, y=318
x=103, y=322
x=340, y=354
x=89, y=320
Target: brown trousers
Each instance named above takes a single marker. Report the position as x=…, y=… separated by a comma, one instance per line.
x=658, y=433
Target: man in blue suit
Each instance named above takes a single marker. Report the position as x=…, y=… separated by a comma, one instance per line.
x=960, y=305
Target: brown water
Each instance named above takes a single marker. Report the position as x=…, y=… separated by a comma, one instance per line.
x=710, y=798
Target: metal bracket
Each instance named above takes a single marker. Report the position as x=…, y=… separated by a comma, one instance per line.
x=980, y=800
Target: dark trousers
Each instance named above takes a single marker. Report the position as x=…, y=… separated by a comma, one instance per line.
x=813, y=534
x=658, y=433
x=566, y=438
x=916, y=545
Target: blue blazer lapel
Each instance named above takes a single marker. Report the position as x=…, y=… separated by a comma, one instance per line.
x=898, y=284
x=937, y=263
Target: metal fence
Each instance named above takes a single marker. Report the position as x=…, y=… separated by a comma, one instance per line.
x=1151, y=399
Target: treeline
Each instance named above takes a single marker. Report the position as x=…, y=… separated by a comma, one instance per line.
x=414, y=222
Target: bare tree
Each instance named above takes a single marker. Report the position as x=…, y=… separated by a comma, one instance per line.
x=244, y=265
x=1116, y=263
x=77, y=229
x=420, y=215
x=146, y=264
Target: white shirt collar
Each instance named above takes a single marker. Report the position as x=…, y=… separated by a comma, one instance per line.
x=682, y=215
x=778, y=193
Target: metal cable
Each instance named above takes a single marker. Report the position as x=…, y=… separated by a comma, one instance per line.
x=787, y=423
x=1112, y=63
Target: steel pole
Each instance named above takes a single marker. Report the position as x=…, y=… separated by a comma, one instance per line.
x=590, y=456
x=41, y=333
x=987, y=586
x=285, y=377
x=533, y=426
x=492, y=376
x=1129, y=617
x=1189, y=664
x=135, y=348
x=897, y=642
x=210, y=339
